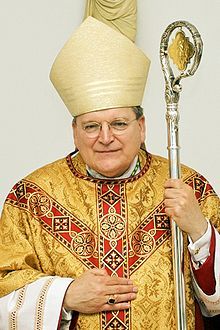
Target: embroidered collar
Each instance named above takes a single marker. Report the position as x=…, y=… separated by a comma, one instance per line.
x=78, y=168
x=131, y=171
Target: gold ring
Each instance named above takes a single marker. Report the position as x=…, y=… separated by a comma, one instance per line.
x=111, y=300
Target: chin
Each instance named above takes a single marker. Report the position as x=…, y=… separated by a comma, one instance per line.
x=110, y=171
x=111, y=174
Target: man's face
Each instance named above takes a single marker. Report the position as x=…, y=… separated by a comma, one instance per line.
x=111, y=152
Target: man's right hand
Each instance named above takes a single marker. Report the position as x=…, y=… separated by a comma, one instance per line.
x=90, y=292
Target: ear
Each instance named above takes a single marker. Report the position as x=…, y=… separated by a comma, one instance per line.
x=142, y=125
x=75, y=135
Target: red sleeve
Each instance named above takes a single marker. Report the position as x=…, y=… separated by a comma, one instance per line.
x=205, y=275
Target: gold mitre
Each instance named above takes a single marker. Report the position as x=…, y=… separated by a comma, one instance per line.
x=99, y=68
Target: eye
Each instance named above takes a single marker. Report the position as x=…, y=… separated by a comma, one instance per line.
x=91, y=127
x=119, y=124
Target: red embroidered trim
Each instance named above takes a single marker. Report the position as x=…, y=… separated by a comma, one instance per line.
x=113, y=242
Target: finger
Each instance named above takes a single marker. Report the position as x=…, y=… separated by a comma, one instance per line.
x=173, y=183
x=185, y=192
x=178, y=200
x=172, y=193
x=169, y=212
x=170, y=183
x=125, y=297
x=176, y=210
x=113, y=280
x=171, y=202
x=122, y=299
x=120, y=289
x=98, y=272
x=116, y=307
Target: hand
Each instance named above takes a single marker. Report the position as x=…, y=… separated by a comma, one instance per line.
x=182, y=206
x=90, y=292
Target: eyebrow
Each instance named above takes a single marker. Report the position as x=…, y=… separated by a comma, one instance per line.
x=96, y=121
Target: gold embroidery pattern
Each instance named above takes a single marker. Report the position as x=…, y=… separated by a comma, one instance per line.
x=41, y=303
x=39, y=204
x=112, y=225
x=83, y=244
x=14, y=313
x=61, y=224
x=20, y=191
x=143, y=243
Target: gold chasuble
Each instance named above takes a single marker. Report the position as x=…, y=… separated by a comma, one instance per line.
x=60, y=221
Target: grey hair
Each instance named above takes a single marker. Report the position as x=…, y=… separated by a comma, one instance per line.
x=139, y=111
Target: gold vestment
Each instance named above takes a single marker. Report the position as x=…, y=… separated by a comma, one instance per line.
x=60, y=221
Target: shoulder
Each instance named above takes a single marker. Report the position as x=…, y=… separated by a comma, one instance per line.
x=41, y=186
x=163, y=164
x=45, y=180
x=48, y=171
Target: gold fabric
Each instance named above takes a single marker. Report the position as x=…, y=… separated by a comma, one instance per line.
x=99, y=68
x=57, y=222
x=119, y=15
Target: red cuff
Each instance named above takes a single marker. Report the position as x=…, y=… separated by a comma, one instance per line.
x=205, y=275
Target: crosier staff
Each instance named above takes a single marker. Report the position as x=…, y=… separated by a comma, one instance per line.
x=186, y=57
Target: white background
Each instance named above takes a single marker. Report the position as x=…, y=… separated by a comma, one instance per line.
x=35, y=127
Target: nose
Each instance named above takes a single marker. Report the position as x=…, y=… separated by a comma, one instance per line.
x=105, y=135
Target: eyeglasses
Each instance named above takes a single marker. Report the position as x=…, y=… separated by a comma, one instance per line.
x=117, y=127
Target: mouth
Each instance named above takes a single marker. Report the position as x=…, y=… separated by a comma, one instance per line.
x=107, y=151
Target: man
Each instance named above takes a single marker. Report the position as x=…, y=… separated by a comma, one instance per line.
x=86, y=240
